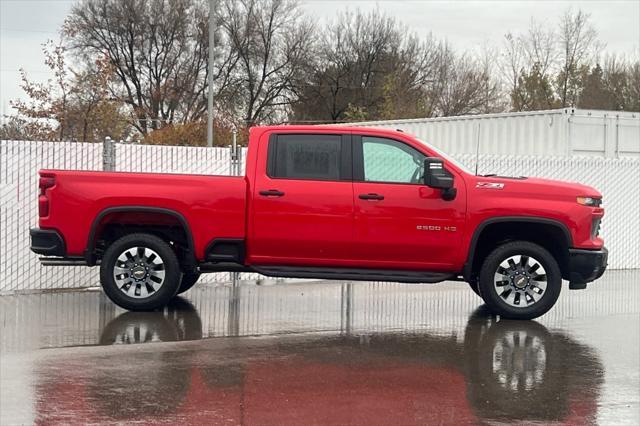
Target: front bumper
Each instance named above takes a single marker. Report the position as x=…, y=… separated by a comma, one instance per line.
x=587, y=265
x=47, y=242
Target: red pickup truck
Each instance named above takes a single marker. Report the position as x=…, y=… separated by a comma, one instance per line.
x=333, y=202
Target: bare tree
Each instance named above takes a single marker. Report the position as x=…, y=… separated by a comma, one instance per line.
x=158, y=50
x=73, y=106
x=528, y=59
x=350, y=73
x=494, y=95
x=579, y=45
x=413, y=70
x=462, y=86
x=273, y=44
x=367, y=67
x=542, y=55
x=540, y=46
x=513, y=61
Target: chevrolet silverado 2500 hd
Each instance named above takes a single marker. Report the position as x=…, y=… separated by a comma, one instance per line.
x=344, y=203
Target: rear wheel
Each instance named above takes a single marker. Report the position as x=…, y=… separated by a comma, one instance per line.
x=520, y=280
x=140, y=272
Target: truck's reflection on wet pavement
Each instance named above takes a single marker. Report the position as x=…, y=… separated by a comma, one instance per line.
x=480, y=370
x=502, y=370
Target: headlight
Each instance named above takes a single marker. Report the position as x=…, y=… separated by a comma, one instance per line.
x=590, y=201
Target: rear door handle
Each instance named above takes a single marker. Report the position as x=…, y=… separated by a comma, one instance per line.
x=371, y=196
x=272, y=193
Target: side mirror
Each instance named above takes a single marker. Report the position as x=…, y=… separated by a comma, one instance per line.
x=436, y=176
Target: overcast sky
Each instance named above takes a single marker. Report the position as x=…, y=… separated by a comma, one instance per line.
x=467, y=25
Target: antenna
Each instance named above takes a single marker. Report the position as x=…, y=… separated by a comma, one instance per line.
x=477, y=147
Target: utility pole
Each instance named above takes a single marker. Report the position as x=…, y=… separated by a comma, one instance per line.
x=212, y=39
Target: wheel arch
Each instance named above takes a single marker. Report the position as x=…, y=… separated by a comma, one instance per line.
x=100, y=222
x=551, y=234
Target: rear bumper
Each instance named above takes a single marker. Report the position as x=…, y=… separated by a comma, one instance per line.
x=47, y=242
x=587, y=265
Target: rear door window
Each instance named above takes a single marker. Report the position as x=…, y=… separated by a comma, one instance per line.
x=311, y=157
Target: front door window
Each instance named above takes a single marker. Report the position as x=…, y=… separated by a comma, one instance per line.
x=386, y=160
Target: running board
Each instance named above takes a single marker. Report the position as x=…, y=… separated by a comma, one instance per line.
x=63, y=261
x=350, y=274
x=223, y=267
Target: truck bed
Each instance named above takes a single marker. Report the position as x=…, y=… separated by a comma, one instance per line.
x=215, y=206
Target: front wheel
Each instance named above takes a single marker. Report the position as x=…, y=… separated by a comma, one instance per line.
x=520, y=280
x=140, y=272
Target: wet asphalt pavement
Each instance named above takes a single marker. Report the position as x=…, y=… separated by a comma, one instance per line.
x=322, y=353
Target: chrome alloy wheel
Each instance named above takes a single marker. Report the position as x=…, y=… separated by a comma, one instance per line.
x=520, y=281
x=139, y=272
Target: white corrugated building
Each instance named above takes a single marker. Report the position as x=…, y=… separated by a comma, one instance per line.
x=558, y=132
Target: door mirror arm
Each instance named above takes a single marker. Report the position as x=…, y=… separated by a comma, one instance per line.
x=449, y=194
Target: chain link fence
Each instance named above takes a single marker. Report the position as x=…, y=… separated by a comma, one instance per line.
x=617, y=179
x=20, y=161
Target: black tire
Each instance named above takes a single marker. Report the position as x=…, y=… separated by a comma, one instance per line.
x=189, y=279
x=122, y=295
x=501, y=305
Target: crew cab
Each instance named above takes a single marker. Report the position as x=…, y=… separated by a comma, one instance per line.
x=330, y=202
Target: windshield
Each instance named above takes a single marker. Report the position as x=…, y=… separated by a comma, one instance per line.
x=446, y=156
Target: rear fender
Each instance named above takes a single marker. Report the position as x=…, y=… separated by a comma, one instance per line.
x=98, y=224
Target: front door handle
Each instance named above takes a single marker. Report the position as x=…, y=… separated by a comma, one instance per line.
x=272, y=193
x=371, y=196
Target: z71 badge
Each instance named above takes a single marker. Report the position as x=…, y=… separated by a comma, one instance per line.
x=489, y=185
